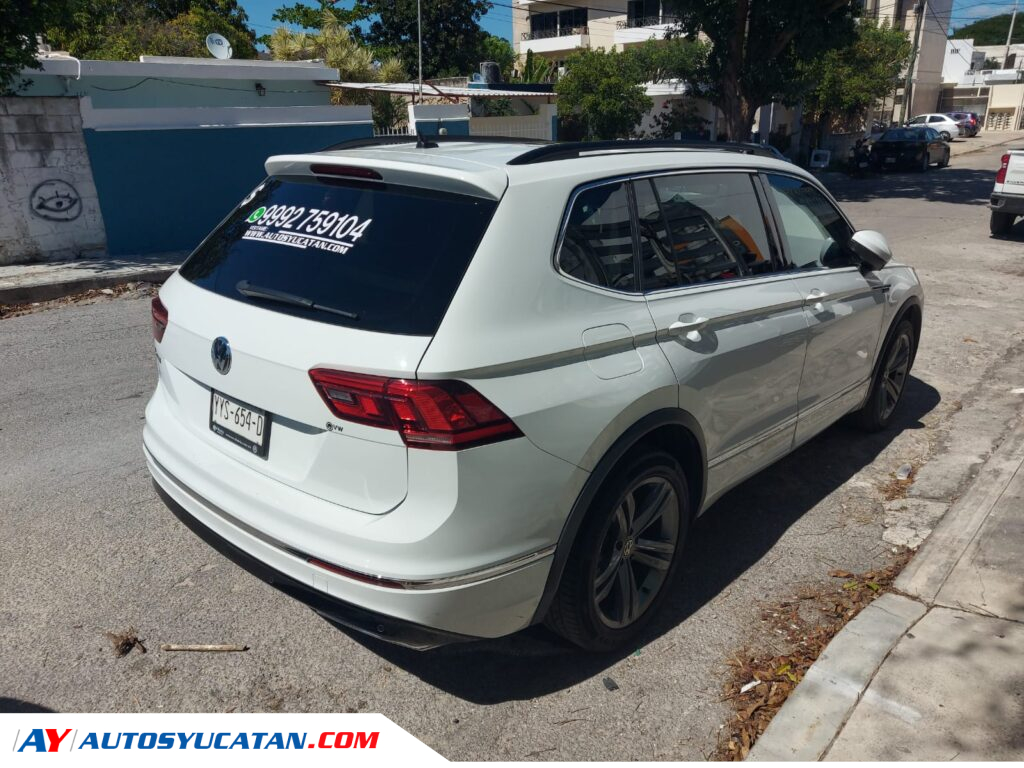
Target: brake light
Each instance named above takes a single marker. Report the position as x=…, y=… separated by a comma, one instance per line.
x=160, y=318
x=351, y=171
x=1001, y=176
x=437, y=415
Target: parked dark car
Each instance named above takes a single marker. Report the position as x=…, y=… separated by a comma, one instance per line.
x=969, y=123
x=915, y=148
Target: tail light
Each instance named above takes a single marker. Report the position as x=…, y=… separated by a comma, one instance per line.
x=437, y=415
x=353, y=171
x=1001, y=176
x=159, y=318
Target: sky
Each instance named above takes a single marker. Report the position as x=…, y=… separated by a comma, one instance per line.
x=499, y=20
x=966, y=11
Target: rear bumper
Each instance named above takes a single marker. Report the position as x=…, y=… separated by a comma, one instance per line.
x=1007, y=204
x=489, y=603
x=902, y=161
x=377, y=625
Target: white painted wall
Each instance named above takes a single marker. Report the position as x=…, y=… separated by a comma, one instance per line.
x=536, y=126
x=48, y=204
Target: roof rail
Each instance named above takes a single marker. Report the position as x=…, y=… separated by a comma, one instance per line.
x=570, y=150
x=427, y=139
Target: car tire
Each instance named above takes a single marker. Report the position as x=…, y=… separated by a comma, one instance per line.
x=890, y=379
x=606, y=557
x=1001, y=223
x=946, y=136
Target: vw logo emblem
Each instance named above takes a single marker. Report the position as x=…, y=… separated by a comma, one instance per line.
x=220, y=353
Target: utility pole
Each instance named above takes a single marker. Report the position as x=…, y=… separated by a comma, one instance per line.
x=1009, y=37
x=908, y=89
x=419, y=35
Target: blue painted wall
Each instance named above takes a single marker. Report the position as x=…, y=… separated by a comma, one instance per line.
x=164, y=190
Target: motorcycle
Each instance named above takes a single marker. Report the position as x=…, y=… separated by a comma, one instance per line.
x=858, y=162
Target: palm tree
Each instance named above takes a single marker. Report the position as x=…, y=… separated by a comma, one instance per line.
x=356, y=63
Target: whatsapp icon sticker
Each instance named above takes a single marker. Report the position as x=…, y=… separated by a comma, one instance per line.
x=257, y=214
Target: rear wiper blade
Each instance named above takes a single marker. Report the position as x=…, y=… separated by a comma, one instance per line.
x=246, y=288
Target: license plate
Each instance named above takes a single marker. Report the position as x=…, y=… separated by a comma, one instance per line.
x=243, y=425
x=890, y=159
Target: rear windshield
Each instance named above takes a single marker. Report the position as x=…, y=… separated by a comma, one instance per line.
x=903, y=134
x=361, y=254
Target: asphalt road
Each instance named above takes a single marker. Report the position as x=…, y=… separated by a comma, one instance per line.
x=87, y=548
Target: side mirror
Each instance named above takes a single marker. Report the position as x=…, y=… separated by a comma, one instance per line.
x=871, y=248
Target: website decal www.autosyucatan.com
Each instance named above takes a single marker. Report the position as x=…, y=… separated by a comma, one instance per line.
x=205, y=739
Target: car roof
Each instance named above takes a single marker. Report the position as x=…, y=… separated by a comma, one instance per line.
x=488, y=167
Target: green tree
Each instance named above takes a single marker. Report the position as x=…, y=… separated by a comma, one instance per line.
x=355, y=62
x=681, y=117
x=123, y=29
x=500, y=51
x=602, y=92
x=844, y=83
x=659, y=61
x=757, y=47
x=992, y=31
x=22, y=21
x=534, y=69
x=452, y=39
x=311, y=16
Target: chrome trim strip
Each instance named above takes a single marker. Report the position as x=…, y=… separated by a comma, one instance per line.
x=745, y=315
x=458, y=580
x=792, y=420
x=831, y=400
x=752, y=442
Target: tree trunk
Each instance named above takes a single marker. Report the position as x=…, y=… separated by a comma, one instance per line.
x=738, y=112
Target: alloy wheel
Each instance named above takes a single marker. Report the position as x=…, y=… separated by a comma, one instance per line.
x=637, y=548
x=894, y=375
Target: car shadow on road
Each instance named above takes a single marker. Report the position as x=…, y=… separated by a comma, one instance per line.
x=724, y=543
x=12, y=706
x=967, y=186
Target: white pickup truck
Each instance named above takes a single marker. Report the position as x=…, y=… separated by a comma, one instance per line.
x=1007, y=201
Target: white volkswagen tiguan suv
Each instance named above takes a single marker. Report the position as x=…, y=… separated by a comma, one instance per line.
x=446, y=389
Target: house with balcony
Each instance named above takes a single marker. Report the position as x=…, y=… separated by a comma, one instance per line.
x=933, y=34
x=555, y=29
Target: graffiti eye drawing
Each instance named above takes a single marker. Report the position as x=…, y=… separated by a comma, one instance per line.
x=56, y=200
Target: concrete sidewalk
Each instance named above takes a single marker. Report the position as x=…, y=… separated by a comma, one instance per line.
x=24, y=283
x=937, y=672
x=984, y=140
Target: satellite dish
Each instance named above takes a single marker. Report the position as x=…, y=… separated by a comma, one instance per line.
x=219, y=46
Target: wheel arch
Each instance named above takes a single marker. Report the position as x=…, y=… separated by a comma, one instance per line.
x=909, y=310
x=669, y=429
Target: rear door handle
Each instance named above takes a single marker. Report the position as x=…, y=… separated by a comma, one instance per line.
x=689, y=327
x=816, y=295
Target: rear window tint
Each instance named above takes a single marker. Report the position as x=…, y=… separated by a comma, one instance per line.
x=372, y=256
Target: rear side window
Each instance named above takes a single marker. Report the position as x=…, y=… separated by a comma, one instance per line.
x=366, y=255
x=716, y=226
x=597, y=247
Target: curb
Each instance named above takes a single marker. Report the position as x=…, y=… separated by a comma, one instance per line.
x=25, y=294
x=817, y=710
x=925, y=575
x=815, y=713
